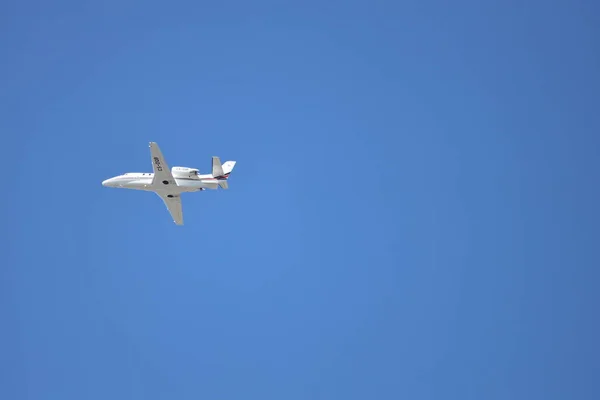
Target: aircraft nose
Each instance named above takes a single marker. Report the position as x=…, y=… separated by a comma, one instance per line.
x=107, y=182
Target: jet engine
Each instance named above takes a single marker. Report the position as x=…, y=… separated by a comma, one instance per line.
x=184, y=172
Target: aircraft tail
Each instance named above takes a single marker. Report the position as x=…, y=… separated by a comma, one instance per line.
x=228, y=167
x=222, y=171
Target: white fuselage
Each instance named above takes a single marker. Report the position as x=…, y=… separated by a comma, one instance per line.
x=170, y=183
x=143, y=181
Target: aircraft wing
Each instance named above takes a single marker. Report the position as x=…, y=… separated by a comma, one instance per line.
x=174, y=206
x=162, y=173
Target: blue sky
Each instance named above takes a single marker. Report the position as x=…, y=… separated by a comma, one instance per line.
x=414, y=212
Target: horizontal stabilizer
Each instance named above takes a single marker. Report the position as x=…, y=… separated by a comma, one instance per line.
x=217, y=168
x=223, y=184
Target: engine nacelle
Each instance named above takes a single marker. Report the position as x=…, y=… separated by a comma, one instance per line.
x=184, y=172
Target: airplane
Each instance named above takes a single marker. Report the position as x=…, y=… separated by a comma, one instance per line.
x=170, y=184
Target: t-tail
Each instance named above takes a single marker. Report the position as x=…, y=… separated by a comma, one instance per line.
x=222, y=171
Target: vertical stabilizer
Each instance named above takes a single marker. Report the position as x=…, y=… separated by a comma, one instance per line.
x=221, y=172
x=228, y=167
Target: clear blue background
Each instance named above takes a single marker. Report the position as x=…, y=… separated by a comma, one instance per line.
x=414, y=212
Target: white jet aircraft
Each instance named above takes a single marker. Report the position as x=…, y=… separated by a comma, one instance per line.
x=169, y=184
